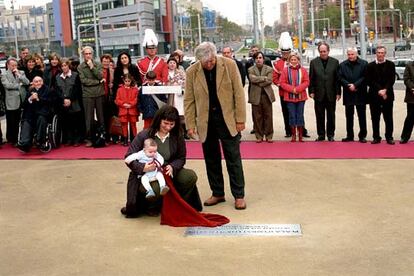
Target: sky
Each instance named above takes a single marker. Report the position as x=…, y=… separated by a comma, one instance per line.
x=238, y=11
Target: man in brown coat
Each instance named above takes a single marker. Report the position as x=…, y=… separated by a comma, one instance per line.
x=215, y=109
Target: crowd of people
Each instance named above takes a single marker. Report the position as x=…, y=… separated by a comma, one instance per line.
x=211, y=107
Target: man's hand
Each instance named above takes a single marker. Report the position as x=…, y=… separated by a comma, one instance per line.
x=382, y=92
x=34, y=97
x=351, y=87
x=90, y=63
x=240, y=127
x=103, y=80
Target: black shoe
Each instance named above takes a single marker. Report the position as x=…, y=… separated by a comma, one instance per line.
x=124, y=212
x=390, y=142
x=306, y=135
x=376, y=141
x=288, y=135
x=362, y=140
x=347, y=139
x=22, y=149
x=252, y=131
x=320, y=138
x=403, y=141
x=331, y=139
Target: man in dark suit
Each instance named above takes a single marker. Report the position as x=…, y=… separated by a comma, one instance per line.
x=381, y=79
x=352, y=77
x=325, y=89
x=228, y=53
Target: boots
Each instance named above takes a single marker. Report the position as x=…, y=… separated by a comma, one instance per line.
x=300, y=131
x=293, y=131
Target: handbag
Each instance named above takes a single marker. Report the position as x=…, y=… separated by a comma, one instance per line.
x=115, y=127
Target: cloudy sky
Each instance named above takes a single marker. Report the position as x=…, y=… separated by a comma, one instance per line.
x=239, y=11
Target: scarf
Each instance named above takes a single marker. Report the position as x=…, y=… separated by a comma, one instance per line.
x=298, y=80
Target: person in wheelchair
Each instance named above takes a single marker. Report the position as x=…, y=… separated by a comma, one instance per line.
x=36, y=110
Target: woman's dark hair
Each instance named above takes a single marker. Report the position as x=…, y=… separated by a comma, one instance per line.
x=118, y=61
x=130, y=77
x=168, y=113
x=173, y=59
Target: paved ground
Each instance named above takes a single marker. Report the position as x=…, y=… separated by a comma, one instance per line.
x=62, y=218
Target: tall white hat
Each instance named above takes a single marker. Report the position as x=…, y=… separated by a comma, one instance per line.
x=285, y=42
x=150, y=39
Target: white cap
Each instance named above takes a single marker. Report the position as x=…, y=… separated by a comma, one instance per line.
x=150, y=39
x=285, y=42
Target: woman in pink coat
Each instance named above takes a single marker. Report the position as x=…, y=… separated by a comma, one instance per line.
x=294, y=81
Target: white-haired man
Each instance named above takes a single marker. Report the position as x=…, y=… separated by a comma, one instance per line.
x=215, y=109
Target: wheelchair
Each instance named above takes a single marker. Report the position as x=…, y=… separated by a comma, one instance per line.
x=53, y=134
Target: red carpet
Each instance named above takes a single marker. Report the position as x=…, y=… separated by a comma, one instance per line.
x=249, y=149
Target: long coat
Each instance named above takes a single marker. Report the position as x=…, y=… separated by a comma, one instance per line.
x=409, y=83
x=324, y=81
x=230, y=94
x=127, y=95
x=353, y=73
x=14, y=88
x=260, y=79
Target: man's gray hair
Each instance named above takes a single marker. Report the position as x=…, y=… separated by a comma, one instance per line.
x=352, y=49
x=205, y=51
x=87, y=48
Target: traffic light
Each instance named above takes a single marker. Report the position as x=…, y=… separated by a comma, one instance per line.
x=296, y=42
x=371, y=35
x=352, y=4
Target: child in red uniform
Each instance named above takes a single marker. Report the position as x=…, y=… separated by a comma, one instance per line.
x=127, y=101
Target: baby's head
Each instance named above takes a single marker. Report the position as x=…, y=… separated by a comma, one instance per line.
x=150, y=147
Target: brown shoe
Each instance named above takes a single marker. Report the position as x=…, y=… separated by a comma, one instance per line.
x=213, y=200
x=240, y=204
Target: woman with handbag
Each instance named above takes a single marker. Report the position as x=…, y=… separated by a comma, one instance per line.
x=126, y=100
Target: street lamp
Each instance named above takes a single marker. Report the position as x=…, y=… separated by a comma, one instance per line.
x=95, y=29
x=15, y=29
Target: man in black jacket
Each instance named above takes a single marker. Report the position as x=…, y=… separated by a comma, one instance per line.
x=36, y=109
x=325, y=89
x=381, y=79
x=352, y=77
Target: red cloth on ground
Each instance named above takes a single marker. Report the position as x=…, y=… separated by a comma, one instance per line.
x=176, y=212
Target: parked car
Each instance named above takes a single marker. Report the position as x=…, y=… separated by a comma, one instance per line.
x=271, y=54
x=400, y=67
x=402, y=46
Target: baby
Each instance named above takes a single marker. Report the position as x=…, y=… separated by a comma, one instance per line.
x=149, y=154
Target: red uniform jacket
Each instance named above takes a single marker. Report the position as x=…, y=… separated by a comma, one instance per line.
x=158, y=65
x=278, y=67
x=127, y=95
x=287, y=86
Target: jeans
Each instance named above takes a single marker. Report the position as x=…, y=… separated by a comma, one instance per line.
x=296, y=113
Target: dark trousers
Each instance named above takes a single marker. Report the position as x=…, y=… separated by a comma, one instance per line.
x=296, y=111
x=217, y=132
x=90, y=105
x=362, y=119
x=408, y=123
x=12, y=125
x=72, y=126
x=285, y=113
x=29, y=127
x=322, y=108
x=263, y=118
x=386, y=109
